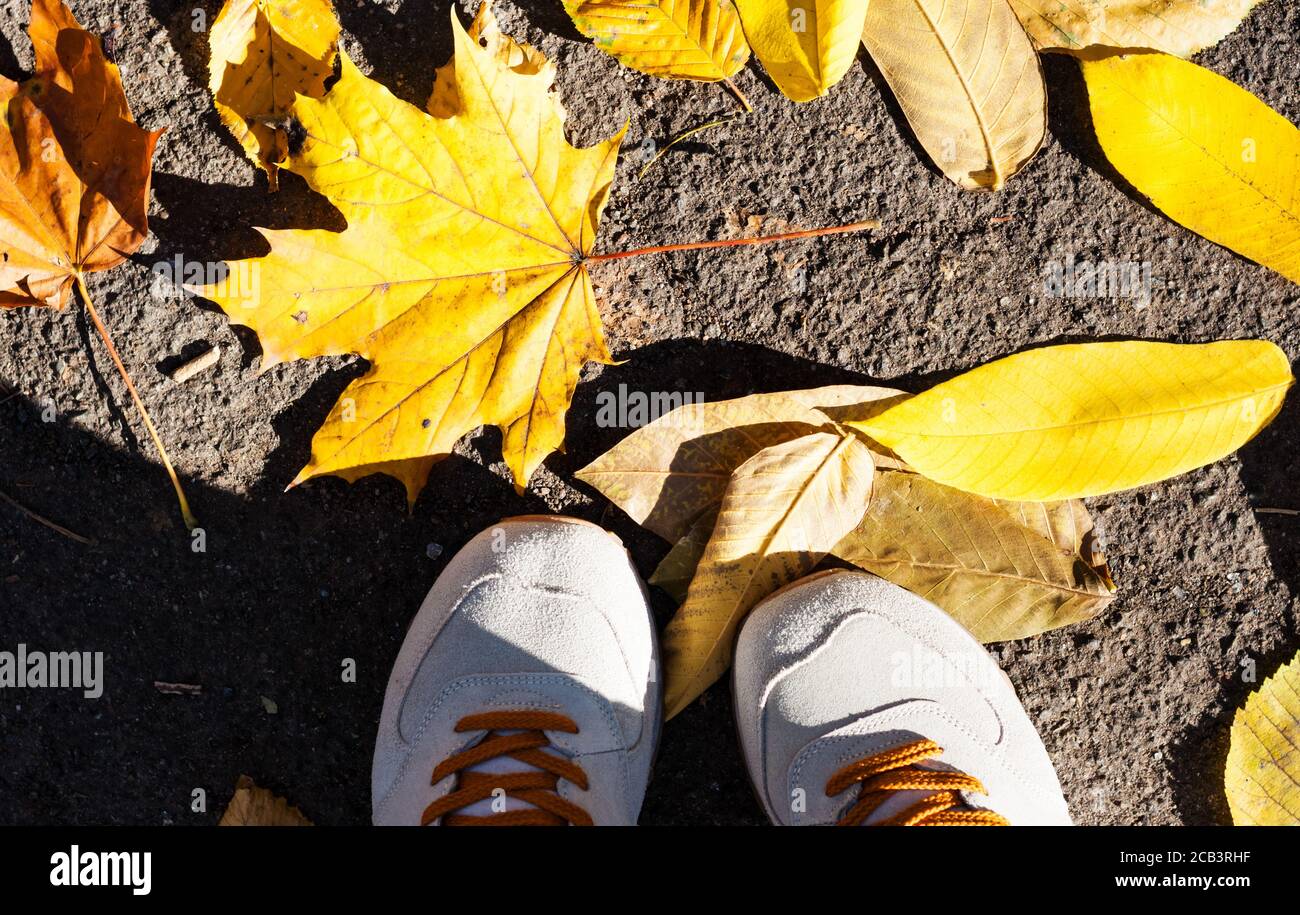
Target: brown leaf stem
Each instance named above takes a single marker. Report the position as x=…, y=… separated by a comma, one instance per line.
x=41, y=519
x=190, y=521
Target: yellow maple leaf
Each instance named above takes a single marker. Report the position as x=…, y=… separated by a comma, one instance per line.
x=1210, y=155
x=461, y=275
x=674, y=39
x=1262, y=776
x=1080, y=420
x=263, y=53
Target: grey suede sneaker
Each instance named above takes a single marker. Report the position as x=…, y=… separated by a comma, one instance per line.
x=527, y=689
x=858, y=702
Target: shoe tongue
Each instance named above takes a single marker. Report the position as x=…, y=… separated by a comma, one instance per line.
x=499, y=765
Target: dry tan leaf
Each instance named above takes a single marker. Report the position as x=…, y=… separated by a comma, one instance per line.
x=998, y=576
x=675, y=571
x=254, y=806
x=967, y=78
x=666, y=474
x=1066, y=524
x=1179, y=27
x=782, y=512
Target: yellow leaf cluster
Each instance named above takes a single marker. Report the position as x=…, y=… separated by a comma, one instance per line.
x=966, y=494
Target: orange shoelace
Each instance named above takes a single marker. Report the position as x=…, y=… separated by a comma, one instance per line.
x=897, y=770
x=534, y=787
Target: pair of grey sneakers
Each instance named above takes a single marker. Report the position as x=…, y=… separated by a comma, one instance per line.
x=527, y=692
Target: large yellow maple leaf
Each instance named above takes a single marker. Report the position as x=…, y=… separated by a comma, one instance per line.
x=461, y=275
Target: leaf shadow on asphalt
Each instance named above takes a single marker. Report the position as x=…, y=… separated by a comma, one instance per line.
x=289, y=585
x=9, y=65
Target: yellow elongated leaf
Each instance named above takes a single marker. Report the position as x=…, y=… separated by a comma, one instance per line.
x=1067, y=422
x=1262, y=777
x=254, y=806
x=675, y=39
x=675, y=571
x=783, y=510
x=1179, y=27
x=263, y=52
x=967, y=78
x=460, y=276
x=666, y=474
x=998, y=576
x=1210, y=155
x=806, y=46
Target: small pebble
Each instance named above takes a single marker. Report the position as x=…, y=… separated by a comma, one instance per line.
x=433, y=550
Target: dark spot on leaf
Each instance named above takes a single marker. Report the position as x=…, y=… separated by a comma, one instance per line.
x=300, y=317
x=297, y=136
x=426, y=423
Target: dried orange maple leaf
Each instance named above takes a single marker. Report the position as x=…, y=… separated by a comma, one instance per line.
x=462, y=274
x=74, y=166
x=74, y=179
